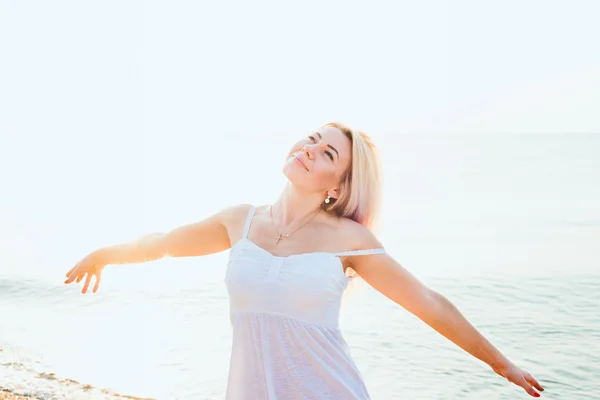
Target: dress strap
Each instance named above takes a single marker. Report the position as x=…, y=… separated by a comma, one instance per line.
x=248, y=222
x=364, y=252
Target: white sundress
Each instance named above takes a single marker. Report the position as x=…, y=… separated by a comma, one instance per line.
x=284, y=311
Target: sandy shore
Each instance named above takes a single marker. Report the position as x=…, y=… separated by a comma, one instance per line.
x=6, y=395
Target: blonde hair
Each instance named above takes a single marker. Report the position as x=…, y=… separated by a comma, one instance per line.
x=361, y=184
x=360, y=187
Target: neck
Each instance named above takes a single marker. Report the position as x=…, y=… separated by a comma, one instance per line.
x=295, y=206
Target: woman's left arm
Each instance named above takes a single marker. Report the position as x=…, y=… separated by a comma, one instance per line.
x=387, y=276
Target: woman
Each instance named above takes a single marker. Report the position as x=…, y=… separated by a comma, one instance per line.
x=288, y=268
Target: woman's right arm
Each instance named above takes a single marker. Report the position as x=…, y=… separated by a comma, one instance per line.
x=198, y=239
x=208, y=236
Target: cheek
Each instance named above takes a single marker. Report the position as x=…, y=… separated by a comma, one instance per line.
x=328, y=175
x=297, y=147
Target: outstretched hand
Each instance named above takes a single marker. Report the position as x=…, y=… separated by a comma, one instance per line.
x=521, y=378
x=89, y=266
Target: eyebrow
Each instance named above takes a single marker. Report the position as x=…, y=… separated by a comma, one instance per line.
x=330, y=146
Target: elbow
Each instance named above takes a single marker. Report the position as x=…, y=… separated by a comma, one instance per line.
x=435, y=308
x=155, y=246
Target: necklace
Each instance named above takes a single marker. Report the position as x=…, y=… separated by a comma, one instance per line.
x=284, y=235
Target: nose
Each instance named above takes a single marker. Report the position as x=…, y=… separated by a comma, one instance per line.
x=307, y=149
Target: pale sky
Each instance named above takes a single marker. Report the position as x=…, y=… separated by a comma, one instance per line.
x=119, y=117
x=391, y=67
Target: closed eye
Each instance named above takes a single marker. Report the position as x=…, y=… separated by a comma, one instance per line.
x=329, y=154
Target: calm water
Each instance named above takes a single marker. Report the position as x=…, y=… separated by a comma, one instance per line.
x=524, y=268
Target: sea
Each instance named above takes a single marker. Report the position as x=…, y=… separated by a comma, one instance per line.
x=505, y=226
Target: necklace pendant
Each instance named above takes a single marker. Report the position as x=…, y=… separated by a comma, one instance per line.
x=279, y=238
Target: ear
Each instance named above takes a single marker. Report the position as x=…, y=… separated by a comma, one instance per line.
x=333, y=193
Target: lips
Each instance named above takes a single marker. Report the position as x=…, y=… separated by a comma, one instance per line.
x=299, y=162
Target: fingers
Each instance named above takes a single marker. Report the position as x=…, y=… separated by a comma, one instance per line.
x=528, y=388
x=72, y=269
x=531, y=391
x=533, y=381
x=79, y=271
x=72, y=277
x=88, y=279
x=98, y=278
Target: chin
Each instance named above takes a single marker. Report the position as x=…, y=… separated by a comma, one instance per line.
x=288, y=171
x=293, y=175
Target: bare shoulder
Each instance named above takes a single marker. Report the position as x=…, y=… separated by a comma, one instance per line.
x=233, y=217
x=235, y=212
x=357, y=236
x=208, y=236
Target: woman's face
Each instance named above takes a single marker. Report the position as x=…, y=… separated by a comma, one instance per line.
x=317, y=162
